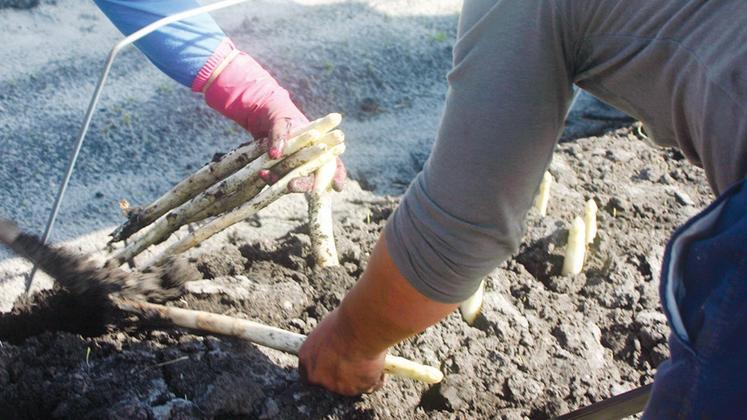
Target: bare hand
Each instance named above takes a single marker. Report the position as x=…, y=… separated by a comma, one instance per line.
x=329, y=358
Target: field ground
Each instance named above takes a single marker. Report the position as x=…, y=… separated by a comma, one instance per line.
x=544, y=344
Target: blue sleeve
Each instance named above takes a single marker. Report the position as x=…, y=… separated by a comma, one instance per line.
x=181, y=49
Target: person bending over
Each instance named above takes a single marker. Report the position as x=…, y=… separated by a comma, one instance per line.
x=679, y=66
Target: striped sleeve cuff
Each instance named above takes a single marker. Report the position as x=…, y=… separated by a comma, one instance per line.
x=221, y=52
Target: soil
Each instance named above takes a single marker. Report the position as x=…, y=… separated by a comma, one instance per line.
x=543, y=345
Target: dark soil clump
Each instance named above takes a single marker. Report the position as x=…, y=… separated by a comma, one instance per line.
x=55, y=310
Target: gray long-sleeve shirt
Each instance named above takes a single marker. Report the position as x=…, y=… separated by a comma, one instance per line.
x=679, y=66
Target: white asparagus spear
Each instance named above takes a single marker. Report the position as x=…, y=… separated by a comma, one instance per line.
x=298, y=157
x=264, y=335
x=186, y=189
x=576, y=248
x=320, y=217
x=471, y=307
x=209, y=175
x=229, y=193
x=590, y=220
x=260, y=201
x=543, y=197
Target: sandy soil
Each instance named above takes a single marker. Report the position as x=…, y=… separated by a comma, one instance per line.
x=544, y=344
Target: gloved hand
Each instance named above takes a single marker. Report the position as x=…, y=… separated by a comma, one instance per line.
x=238, y=87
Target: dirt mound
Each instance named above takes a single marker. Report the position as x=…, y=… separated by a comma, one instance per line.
x=544, y=344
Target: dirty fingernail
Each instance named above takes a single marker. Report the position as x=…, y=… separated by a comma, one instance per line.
x=275, y=153
x=276, y=148
x=266, y=175
x=302, y=184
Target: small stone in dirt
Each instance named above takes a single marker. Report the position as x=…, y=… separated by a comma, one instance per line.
x=297, y=323
x=683, y=198
x=651, y=262
x=311, y=323
x=649, y=173
x=351, y=268
x=203, y=287
x=615, y=205
x=619, y=155
x=452, y=394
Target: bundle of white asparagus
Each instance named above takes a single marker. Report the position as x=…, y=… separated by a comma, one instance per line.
x=264, y=335
x=230, y=189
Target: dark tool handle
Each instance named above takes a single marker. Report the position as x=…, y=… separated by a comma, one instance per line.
x=613, y=408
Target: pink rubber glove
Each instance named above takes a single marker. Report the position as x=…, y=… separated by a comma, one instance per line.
x=238, y=87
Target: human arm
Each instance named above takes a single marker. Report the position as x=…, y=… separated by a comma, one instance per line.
x=463, y=215
x=196, y=53
x=346, y=351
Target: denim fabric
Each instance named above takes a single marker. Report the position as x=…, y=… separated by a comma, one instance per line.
x=704, y=293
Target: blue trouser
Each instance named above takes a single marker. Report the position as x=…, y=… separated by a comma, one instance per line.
x=704, y=294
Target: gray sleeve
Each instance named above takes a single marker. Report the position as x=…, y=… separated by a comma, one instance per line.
x=508, y=95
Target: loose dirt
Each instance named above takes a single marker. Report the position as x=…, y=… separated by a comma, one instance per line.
x=543, y=345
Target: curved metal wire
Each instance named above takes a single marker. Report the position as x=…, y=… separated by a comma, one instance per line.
x=95, y=99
